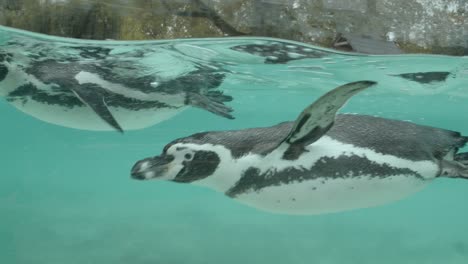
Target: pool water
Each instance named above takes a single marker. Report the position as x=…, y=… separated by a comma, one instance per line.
x=66, y=195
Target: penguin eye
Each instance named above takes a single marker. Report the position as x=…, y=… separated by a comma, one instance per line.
x=188, y=156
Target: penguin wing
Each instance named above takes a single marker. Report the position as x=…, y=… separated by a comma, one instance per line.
x=319, y=117
x=64, y=75
x=96, y=102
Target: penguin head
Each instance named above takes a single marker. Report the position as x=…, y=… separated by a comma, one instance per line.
x=179, y=162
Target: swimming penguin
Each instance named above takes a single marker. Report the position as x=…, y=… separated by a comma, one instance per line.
x=276, y=52
x=323, y=162
x=90, y=87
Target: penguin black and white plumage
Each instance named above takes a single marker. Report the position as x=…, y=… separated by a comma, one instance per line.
x=94, y=87
x=276, y=52
x=323, y=162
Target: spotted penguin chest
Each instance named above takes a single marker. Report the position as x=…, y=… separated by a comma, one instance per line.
x=40, y=100
x=332, y=177
x=82, y=117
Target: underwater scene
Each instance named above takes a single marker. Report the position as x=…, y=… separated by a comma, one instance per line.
x=100, y=163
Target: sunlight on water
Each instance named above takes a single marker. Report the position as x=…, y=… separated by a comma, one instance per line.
x=66, y=195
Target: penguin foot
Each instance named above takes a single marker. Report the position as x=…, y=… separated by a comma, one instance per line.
x=212, y=102
x=462, y=158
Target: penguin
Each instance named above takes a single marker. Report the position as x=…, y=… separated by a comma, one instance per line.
x=323, y=162
x=95, y=87
x=277, y=52
x=425, y=77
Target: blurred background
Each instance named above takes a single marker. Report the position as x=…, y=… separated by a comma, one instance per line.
x=368, y=26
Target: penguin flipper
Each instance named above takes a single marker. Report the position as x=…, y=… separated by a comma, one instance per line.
x=212, y=102
x=319, y=117
x=96, y=102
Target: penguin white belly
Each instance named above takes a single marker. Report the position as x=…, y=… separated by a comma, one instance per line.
x=326, y=195
x=82, y=117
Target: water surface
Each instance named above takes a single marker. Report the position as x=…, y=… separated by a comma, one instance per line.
x=66, y=195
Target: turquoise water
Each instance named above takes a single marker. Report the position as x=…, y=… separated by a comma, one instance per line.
x=66, y=195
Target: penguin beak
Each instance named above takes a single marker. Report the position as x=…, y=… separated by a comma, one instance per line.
x=151, y=167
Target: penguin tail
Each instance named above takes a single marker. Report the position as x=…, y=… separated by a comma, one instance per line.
x=456, y=167
x=463, y=173
x=462, y=158
x=212, y=101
